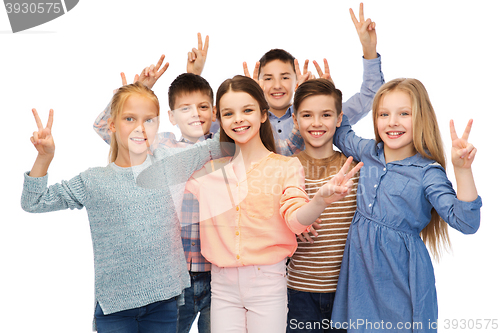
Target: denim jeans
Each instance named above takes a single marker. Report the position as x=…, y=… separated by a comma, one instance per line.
x=196, y=299
x=158, y=317
x=310, y=312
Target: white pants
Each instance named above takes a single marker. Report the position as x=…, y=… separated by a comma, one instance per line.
x=249, y=299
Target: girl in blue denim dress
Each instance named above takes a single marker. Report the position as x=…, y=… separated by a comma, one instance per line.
x=404, y=199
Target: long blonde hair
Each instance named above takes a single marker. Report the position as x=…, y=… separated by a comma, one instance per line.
x=427, y=141
x=117, y=104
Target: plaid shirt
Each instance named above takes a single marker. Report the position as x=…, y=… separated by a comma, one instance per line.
x=190, y=216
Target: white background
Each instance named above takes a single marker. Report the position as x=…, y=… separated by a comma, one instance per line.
x=72, y=64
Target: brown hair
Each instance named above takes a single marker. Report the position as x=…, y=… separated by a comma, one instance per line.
x=188, y=83
x=247, y=85
x=314, y=88
x=427, y=142
x=117, y=104
x=277, y=54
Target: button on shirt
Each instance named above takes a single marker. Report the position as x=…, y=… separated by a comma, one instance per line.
x=395, y=201
x=253, y=220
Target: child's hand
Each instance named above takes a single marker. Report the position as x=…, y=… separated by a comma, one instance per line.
x=301, y=78
x=197, y=57
x=326, y=75
x=255, y=76
x=366, y=32
x=151, y=74
x=462, y=152
x=124, y=79
x=340, y=185
x=42, y=139
x=305, y=237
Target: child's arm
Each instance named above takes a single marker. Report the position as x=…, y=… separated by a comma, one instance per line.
x=335, y=189
x=366, y=32
x=360, y=103
x=462, y=156
x=174, y=166
x=44, y=144
x=348, y=142
x=148, y=77
x=36, y=197
x=197, y=57
x=460, y=209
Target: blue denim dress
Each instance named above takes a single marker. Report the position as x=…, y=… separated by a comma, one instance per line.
x=386, y=279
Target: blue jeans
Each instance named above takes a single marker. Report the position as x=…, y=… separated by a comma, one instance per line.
x=158, y=317
x=310, y=312
x=196, y=299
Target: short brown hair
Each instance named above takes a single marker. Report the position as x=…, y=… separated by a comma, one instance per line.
x=277, y=54
x=187, y=83
x=317, y=87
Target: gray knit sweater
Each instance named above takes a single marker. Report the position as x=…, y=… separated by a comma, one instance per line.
x=138, y=254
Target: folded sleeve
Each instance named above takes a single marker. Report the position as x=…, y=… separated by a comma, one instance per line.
x=38, y=198
x=294, y=195
x=461, y=215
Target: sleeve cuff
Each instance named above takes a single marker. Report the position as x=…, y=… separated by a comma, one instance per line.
x=372, y=66
x=35, y=184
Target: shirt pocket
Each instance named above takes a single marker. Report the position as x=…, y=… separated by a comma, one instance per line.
x=259, y=205
x=397, y=184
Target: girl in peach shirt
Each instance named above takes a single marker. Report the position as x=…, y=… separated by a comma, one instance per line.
x=251, y=206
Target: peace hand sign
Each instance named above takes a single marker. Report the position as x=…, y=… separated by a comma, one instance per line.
x=341, y=184
x=302, y=77
x=255, y=76
x=366, y=32
x=151, y=74
x=326, y=75
x=197, y=57
x=124, y=79
x=42, y=139
x=462, y=152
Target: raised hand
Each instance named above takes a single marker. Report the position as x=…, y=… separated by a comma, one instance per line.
x=197, y=57
x=255, y=71
x=305, y=75
x=255, y=76
x=340, y=185
x=462, y=152
x=42, y=139
x=124, y=79
x=366, y=32
x=326, y=74
x=151, y=74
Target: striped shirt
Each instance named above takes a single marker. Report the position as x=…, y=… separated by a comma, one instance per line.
x=315, y=267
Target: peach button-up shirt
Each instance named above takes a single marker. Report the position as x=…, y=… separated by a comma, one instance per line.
x=253, y=220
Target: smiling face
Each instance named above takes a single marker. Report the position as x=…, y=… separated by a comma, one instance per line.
x=241, y=117
x=193, y=114
x=395, y=126
x=280, y=82
x=135, y=129
x=317, y=120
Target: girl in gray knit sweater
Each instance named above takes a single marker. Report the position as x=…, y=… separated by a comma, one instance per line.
x=139, y=262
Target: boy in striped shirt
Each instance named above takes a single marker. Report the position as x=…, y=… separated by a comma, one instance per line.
x=314, y=268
